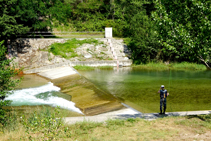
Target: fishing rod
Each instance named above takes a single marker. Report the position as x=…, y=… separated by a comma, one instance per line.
x=169, y=80
x=169, y=87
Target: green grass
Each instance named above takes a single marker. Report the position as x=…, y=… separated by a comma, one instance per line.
x=105, y=67
x=152, y=66
x=187, y=66
x=67, y=49
x=173, y=66
x=58, y=27
x=78, y=35
x=74, y=34
x=83, y=68
x=87, y=68
x=44, y=125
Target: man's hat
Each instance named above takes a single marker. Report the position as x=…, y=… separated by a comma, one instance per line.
x=162, y=86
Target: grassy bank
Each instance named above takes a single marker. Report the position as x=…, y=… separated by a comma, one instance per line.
x=67, y=49
x=154, y=66
x=171, y=66
x=46, y=126
x=87, y=68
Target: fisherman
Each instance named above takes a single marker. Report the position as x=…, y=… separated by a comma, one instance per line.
x=163, y=96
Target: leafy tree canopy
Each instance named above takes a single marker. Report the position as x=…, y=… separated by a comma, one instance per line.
x=9, y=27
x=184, y=28
x=21, y=16
x=132, y=17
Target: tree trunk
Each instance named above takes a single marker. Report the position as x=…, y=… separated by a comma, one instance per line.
x=207, y=64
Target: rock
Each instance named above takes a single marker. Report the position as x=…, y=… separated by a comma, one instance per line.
x=126, y=58
x=35, y=65
x=30, y=51
x=47, y=62
x=102, y=49
x=23, y=59
x=31, y=56
x=37, y=53
x=44, y=56
x=88, y=55
x=51, y=56
x=58, y=60
x=90, y=52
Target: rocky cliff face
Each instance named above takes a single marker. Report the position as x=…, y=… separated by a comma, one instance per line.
x=29, y=53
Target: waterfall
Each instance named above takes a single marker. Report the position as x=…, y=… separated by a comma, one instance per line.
x=43, y=95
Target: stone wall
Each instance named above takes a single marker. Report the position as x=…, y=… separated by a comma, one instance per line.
x=29, y=54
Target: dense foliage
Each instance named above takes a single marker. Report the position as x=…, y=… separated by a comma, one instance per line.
x=128, y=18
x=95, y=15
x=38, y=14
x=184, y=29
x=6, y=83
x=158, y=30
x=9, y=27
x=20, y=16
x=141, y=31
x=90, y=15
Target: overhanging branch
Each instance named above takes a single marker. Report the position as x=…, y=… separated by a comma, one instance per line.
x=206, y=63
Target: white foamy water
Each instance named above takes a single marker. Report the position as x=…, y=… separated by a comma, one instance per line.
x=29, y=96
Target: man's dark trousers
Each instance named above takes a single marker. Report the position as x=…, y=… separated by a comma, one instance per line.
x=163, y=104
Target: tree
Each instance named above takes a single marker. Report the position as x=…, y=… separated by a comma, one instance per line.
x=89, y=15
x=184, y=28
x=132, y=17
x=39, y=14
x=143, y=39
x=6, y=82
x=9, y=27
x=20, y=16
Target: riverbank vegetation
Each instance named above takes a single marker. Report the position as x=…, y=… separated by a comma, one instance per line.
x=67, y=49
x=83, y=68
x=168, y=31
x=19, y=16
x=47, y=125
x=157, y=31
x=87, y=68
x=159, y=66
x=7, y=84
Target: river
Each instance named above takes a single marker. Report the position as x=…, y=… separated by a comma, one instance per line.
x=189, y=90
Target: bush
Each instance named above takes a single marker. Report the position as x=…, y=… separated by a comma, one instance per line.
x=7, y=71
x=44, y=122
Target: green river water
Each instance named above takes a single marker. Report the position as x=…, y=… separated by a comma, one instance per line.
x=189, y=90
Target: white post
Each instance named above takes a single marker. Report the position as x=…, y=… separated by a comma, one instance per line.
x=108, y=32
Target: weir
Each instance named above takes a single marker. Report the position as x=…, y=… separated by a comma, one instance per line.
x=47, y=94
x=87, y=97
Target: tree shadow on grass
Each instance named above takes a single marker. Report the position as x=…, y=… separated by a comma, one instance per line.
x=204, y=117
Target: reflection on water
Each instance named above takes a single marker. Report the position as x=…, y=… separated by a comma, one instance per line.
x=29, y=81
x=189, y=90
